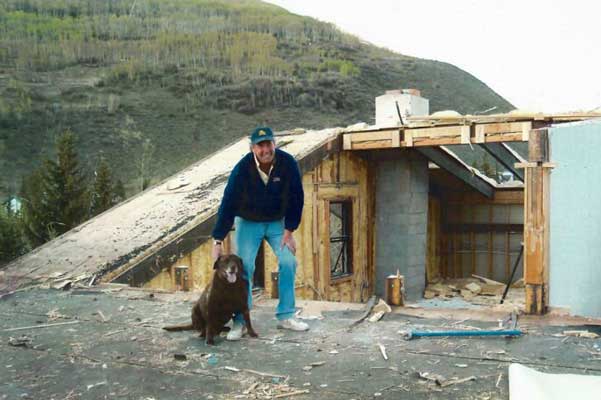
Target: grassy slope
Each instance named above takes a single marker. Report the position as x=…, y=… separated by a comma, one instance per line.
x=187, y=114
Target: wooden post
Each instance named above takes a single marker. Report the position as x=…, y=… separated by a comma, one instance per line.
x=394, y=290
x=181, y=277
x=536, y=223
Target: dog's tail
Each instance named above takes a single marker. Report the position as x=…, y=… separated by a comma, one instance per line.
x=176, y=328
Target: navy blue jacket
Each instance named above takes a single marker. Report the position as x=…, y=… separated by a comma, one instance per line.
x=248, y=197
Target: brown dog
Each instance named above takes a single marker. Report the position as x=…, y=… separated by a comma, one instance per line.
x=226, y=295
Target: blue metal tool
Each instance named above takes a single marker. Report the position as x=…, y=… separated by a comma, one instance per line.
x=507, y=332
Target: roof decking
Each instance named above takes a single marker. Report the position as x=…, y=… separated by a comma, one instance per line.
x=137, y=228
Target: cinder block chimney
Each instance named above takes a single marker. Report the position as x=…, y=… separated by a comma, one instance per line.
x=410, y=103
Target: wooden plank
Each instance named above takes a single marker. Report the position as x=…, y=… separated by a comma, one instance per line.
x=536, y=221
x=490, y=245
x=371, y=136
x=408, y=138
x=479, y=136
x=347, y=141
x=465, y=134
x=459, y=251
x=501, y=196
x=337, y=193
x=395, y=138
x=522, y=165
x=433, y=232
x=507, y=255
x=473, y=242
x=503, y=137
x=439, y=135
x=324, y=248
x=375, y=144
x=438, y=132
x=505, y=127
x=436, y=142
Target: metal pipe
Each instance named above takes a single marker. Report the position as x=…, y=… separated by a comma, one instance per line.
x=507, y=332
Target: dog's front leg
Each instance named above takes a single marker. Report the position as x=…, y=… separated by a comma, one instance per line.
x=210, y=332
x=251, y=331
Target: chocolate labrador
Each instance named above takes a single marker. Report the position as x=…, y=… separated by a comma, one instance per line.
x=226, y=295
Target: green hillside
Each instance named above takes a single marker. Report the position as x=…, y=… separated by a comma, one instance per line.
x=154, y=85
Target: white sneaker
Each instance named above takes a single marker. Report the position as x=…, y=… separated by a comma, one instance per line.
x=293, y=325
x=236, y=332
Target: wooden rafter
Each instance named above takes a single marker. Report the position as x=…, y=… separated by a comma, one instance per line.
x=505, y=157
x=455, y=167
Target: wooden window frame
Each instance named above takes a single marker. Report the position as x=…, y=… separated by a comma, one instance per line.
x=348, y=206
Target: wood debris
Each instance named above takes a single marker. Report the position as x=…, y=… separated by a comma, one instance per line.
x=487, y=280
x=295, y=393
x=264, y=374
x=40, y=326
x=22, y=341
x=369, y=306
x=474, y=288
x=313, y=365
x=454, y=381
x=581, y=333
x=441, y=381
x=518, y=284
x=383, y=351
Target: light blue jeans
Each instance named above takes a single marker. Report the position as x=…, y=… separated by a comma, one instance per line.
x=248, y=237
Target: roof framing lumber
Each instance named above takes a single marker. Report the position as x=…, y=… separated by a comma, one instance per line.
x=445, y=161
x=505, y=157
x=408, y=136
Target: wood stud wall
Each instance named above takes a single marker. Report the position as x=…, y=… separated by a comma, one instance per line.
x=460, y=244
x=342, y=176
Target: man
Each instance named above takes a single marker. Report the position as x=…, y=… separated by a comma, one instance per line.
x=264, y=198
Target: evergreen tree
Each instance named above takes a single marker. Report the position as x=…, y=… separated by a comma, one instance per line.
x=35, y=212
x=104, y=195
x=55, y=197
x=12, y=243
x=119, y=191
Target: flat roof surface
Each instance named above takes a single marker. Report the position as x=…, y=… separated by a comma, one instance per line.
x=111, y=345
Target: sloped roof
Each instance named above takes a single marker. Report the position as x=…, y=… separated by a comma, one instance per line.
x=130, y=231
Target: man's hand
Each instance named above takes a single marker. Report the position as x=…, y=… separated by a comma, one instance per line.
x=288, y=240
x=217, y=250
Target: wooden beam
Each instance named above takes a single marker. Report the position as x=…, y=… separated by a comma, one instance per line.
x=504, y=157
x=454, y=167
x=438, y=135
x=536, y=224
x=484, y=228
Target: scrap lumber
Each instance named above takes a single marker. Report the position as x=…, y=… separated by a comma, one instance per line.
x=369, y=306
x=279, y=396
x=487, y=280
x=383, y=351
x=39, y=326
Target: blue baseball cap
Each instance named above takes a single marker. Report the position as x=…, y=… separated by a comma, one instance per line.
x=261, y=134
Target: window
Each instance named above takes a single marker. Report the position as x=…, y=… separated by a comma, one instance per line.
x=341, y=244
